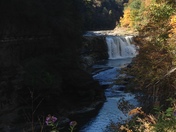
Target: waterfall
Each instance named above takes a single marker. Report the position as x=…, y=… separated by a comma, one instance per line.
x=120, y=47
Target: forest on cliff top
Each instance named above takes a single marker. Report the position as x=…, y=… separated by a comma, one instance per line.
x=155, y=66
x=37, y=18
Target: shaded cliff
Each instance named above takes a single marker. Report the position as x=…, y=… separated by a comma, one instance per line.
x=39, y=55
x=94, y=49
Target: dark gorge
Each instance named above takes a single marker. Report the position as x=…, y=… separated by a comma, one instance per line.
x=42, y=69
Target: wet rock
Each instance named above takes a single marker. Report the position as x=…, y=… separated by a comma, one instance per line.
x=80, y=86
x=94, y=49
x=122, y=88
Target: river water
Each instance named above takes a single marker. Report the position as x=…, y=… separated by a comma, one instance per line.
x=107, y=73
x=121, y=51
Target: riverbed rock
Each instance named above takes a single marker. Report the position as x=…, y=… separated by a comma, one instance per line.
x=81, y=87
x=71, y=89
x=94, y=48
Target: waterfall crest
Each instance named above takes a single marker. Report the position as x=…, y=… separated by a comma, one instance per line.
x=121, y=47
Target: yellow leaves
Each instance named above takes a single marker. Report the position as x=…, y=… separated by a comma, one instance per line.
x=143, y=123
x=173, y=25
x=147, y=2
x=122, y=128
x=126, y=19
x=136, y=111
x=135, y=17
x=173, y=21
x=172, y=35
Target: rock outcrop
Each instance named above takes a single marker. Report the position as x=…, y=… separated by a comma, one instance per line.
x=94, y=49
x=36, y=80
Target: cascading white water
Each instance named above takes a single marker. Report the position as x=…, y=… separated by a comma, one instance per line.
x=120, y=47
x=129, y=39
x=107, y=72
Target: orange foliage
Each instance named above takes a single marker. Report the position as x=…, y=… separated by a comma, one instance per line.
x=172, y=36
x=135, y=111
x=147, y=2
x=173, y=24
x=126, y=19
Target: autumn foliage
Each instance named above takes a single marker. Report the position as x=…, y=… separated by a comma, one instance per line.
x=155, y=67
x=126, y=20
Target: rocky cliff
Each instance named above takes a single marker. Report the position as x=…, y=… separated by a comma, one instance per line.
x=38, y=78
x=94, y=49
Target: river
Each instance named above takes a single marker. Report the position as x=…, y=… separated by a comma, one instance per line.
x=107, y=73
x=121, y=51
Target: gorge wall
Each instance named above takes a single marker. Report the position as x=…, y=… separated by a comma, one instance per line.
x=39, y=72
x=40, y=61
x=39, y=75
x=94, y=49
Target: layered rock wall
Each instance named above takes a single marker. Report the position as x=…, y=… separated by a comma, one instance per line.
x=39, y=76
x=94, y=49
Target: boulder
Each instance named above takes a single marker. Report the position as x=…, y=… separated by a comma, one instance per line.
x=94, y=48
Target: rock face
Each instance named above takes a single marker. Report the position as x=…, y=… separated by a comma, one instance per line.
x=77, y=84
x=38, y=60
x=36, y=80
x=94, y=49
